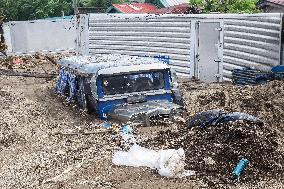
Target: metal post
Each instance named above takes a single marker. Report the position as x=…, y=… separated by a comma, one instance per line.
x=75, y=6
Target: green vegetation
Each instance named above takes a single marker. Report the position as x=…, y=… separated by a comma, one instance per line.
x=227, y=6
x=34, y=9
x=37, y=9
x=100, y=3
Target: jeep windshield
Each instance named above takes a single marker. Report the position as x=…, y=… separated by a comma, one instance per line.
x=134, y=82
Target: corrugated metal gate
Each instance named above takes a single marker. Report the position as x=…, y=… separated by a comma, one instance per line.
x=249, y=39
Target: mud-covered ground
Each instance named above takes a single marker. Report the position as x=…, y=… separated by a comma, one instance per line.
x=39, y=151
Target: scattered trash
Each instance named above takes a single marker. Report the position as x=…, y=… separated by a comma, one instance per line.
x=251, y=76
x=17, y=61
x=126, y=129
x=217, y=116
x=106, y=125
x=209, y=161
x=239, y=169
x=169, y=163
x=278, y=69
x=214, y=151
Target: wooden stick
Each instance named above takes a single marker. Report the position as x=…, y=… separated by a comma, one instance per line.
x=51, y=60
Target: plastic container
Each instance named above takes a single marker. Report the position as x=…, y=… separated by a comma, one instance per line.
x=239, y=169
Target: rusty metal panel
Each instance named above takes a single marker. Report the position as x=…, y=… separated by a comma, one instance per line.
x=142, y=35
x=169, y=3
x=252, y=41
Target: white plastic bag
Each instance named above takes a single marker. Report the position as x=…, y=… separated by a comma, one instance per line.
x=169, y=163
x=136, y=156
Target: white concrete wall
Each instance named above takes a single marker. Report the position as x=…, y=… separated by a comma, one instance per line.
x=28, y=37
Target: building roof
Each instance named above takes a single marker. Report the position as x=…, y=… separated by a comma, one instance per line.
x=278, y=2
x=178, y=9
x=87, y=10
x=170, y=3
x=263, y=3
x=135, y=7
x=110, y=64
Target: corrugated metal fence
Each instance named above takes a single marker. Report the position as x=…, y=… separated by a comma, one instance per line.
x=143, y=36
x=253, y=41
x=249, y=40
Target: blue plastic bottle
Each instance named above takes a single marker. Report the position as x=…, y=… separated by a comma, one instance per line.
x=239, y=169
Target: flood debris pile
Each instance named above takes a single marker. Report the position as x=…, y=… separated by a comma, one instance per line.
x=213, y=152
x=37, y=63
x=36, y=66
x=263, y=101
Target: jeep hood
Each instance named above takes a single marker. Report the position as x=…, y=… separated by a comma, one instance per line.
x=142, y=111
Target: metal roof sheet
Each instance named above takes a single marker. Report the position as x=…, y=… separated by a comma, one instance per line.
x=113, y=63
x=278, y=2
x=169, y=3
x=135, y=7
x=263, y=3
x=177, y=9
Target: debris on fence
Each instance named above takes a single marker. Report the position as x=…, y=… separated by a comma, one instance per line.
x=251, y=76
x=168, y=163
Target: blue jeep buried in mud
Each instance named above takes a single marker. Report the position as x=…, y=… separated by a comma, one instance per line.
x=120, y=87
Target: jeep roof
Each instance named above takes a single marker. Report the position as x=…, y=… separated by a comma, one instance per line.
x=111, y=64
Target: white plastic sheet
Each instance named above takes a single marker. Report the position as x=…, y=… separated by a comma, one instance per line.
x=169, y=163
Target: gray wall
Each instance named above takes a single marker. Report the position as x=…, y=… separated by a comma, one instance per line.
x=27, y=37
x=249, y=39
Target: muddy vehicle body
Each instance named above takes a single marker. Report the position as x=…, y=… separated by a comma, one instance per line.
x=120, y=87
